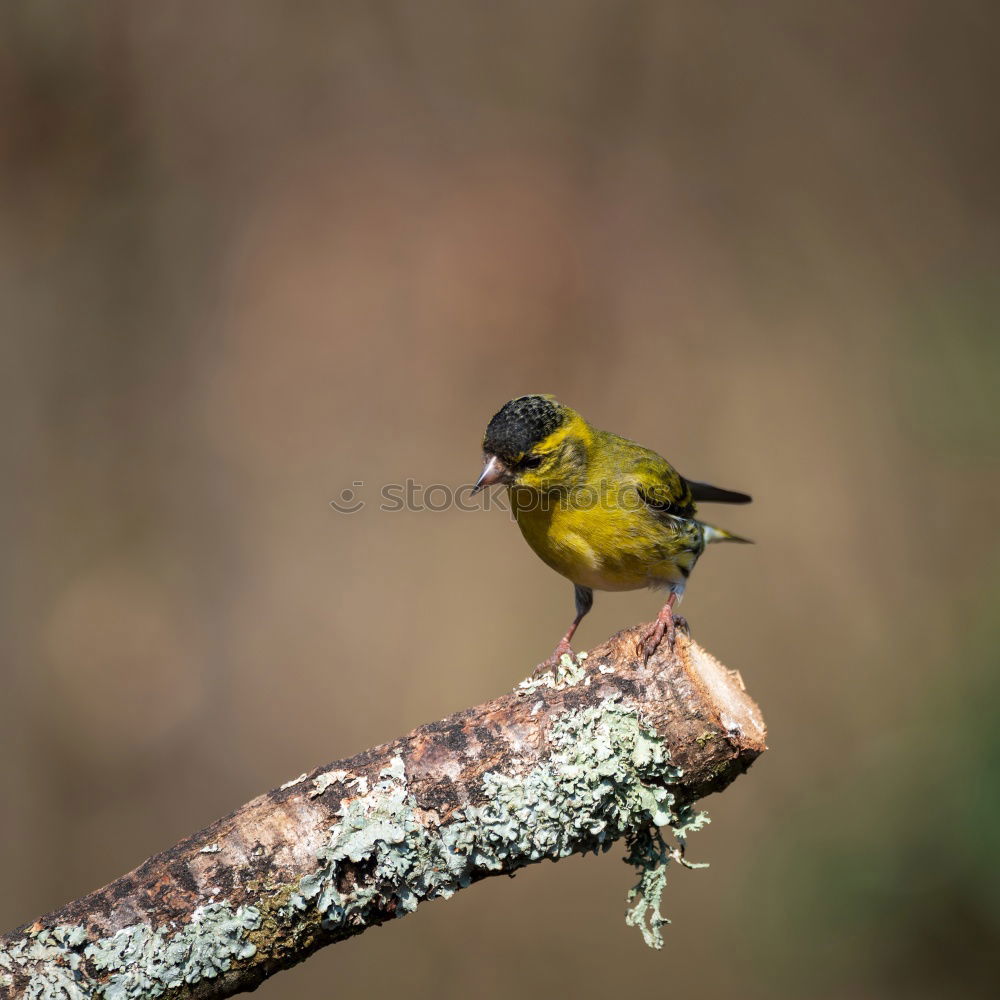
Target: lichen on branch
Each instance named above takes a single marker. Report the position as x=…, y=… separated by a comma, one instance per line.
x=609, y=749
x=607, y=775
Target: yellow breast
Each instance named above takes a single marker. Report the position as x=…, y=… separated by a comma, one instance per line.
x=607, y=546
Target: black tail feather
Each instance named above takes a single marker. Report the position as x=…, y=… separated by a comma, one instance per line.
x=705, y=493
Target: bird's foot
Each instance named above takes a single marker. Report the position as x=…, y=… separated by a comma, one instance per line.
x=652, y=636
x=665, y=626
x=550, y=664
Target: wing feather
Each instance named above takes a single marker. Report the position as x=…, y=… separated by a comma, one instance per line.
x=706, y=493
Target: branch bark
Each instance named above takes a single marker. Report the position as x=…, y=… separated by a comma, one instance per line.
x=606, y=751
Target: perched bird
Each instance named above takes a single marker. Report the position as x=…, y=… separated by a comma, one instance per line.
x=599, y=509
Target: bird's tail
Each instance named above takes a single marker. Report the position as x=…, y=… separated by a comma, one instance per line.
x=713, y=534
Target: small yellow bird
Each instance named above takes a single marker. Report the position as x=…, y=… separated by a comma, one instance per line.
x=599, y=509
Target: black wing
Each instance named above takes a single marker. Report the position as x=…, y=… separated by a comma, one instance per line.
x=705, y=493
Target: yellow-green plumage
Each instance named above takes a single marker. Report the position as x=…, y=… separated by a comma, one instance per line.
x=603, y=511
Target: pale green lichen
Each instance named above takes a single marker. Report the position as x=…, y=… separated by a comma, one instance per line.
x=137, y=962
x=650, y=855
x=142, y=961
x=568, y=673
x=323, y=781
x=606, y=778
x=55, y=953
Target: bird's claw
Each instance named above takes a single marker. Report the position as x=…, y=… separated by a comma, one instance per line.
x=663, y=627
x=651, y=639
x=550, y=664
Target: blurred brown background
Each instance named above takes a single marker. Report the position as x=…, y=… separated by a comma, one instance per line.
x=252, y=253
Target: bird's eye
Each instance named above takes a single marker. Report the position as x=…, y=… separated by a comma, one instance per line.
x=531, y=462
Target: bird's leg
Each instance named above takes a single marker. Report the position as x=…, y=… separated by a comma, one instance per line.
x=663, y=626
x=584, y=602
x=554, y=660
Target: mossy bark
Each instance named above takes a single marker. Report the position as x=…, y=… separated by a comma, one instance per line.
x=571, y=763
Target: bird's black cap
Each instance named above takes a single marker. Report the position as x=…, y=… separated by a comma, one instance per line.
x=520, y=425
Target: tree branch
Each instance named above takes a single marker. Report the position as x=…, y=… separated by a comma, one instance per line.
x=605, y=751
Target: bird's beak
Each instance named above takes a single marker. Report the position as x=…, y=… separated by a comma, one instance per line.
x=494, y=471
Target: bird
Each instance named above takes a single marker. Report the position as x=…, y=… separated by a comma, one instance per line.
x=603, y=511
